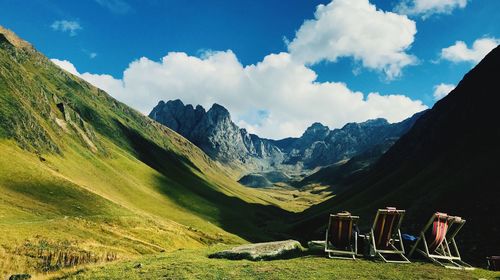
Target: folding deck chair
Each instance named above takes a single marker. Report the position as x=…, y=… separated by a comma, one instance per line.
x=439, y=244
x=385, y=236
x=341, y=236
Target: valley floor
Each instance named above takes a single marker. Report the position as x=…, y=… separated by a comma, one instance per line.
x=194, y=264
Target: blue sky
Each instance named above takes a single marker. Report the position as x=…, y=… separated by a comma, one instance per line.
x=106, y=36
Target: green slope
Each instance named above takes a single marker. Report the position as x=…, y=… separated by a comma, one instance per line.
x=79, y=167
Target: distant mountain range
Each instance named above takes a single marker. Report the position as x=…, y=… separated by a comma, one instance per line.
x=218, y=136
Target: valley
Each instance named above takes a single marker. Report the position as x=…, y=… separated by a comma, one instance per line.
x=91, y=188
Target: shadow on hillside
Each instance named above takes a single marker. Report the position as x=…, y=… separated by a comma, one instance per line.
x=251, y=221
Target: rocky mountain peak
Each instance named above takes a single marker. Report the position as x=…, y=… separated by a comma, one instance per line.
x=317, y=129
x=218, y=113
x=375, y=122
x=177, y=103
x=366, y=124
x=215, y=133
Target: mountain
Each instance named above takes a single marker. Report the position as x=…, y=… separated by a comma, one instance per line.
x=215, y=133
x=81, y=171
x=320, y=146
x=446, y=162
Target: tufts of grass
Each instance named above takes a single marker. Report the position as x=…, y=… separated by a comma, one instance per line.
x=53, y=256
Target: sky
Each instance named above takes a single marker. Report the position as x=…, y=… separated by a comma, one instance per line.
x=277, y=66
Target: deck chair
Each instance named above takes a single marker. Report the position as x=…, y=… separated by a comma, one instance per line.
x=385, y=236
x=437, y=243
x=341, y=236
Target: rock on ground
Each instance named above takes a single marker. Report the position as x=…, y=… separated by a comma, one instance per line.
x=316, y=246
x=261, y=251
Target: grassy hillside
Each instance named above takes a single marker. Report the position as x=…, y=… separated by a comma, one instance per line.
x=82, y=173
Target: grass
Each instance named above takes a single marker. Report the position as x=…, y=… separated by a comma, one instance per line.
x=298, y=199
x=194, y=264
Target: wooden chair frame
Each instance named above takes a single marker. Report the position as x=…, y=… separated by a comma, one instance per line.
x=395, y=242
x=446, y=254
x=336, y=253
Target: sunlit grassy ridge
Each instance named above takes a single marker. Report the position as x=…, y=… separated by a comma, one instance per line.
x=79, y=167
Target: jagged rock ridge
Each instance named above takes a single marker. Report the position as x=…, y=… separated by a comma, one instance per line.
x=215, y=133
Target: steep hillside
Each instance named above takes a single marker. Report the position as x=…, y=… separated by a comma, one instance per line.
x=447, y=162
x=79, y=168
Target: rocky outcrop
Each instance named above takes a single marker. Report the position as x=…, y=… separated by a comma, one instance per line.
x=255, y=181
x=262, y=251
x=264, y=179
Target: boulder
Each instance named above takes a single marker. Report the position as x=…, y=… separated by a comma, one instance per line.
x=262, y=251
x=316, y=246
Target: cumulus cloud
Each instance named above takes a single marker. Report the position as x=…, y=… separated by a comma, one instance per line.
x=66, y=26
x=426, y=8
x=442, y=90
x=281, y=96
x=355, y=28
x=459, y=52
x=103, y=81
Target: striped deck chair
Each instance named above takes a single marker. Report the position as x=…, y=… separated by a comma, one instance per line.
x=385, y=236
x=437, y=241
x=341, y=236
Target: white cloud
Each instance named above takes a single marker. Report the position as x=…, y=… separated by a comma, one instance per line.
x=426, y=8
x=460, y=52
x=66, y=65
x=284, y=92
x=66, y=26
x=92, y=55
x=355, y=28
x=442, y=90
x=105, y=82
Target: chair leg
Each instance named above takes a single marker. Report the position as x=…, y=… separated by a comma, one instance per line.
x=331, y=256
x=403, y=257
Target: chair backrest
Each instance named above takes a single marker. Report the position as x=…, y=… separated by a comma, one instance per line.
x=440, y=226
x=386, y=225
x=454, y=225
x=341, y=227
